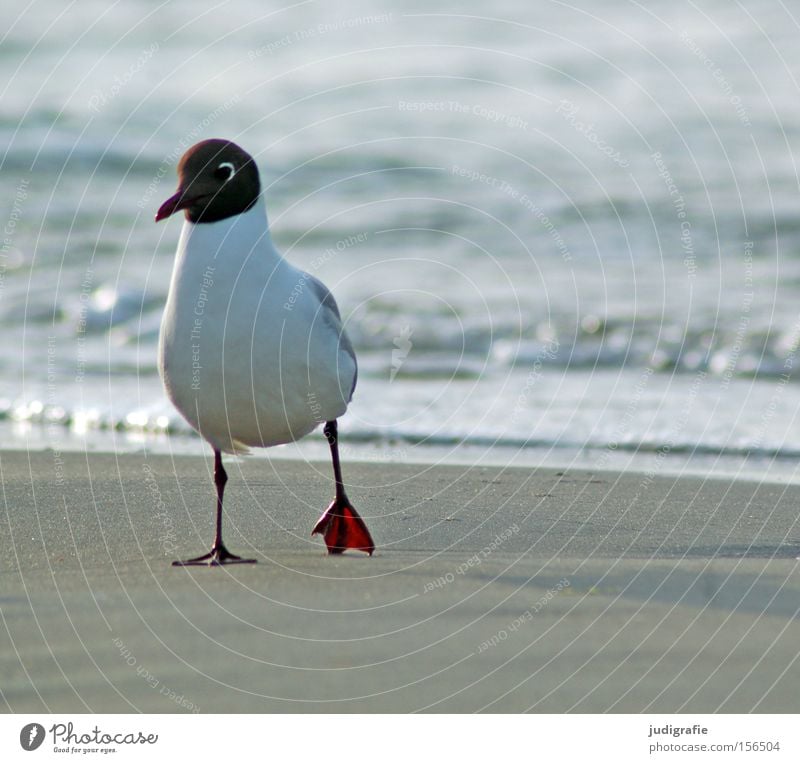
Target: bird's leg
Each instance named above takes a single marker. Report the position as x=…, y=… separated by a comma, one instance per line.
x=218, y=554
x=341, y=525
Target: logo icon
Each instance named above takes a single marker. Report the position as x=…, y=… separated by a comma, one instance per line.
x=403, y=345
x=31, y=736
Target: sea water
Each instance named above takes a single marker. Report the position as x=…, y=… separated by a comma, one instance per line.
x=552, y=228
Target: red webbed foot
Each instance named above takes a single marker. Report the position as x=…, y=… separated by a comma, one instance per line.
x=343, y=528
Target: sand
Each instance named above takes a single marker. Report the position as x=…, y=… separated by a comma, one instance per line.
x=499, y=590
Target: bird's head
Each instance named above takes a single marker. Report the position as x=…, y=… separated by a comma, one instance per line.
x=216, y=179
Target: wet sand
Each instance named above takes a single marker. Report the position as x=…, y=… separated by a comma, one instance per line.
x=491, y=590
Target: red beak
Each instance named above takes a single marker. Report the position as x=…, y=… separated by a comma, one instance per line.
x=180, y=200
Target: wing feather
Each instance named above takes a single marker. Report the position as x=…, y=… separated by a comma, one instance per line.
x=333, y=318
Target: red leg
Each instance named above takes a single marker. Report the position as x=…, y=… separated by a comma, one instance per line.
x=218, y=555
x=341, y=525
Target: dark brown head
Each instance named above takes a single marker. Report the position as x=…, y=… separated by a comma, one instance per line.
x=216, y=179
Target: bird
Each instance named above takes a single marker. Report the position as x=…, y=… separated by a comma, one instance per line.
x=252, y=350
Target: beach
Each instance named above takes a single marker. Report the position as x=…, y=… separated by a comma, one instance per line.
x=563, y=240
x=491, y=589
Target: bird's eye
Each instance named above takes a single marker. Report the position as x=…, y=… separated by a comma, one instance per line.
x=225, y=171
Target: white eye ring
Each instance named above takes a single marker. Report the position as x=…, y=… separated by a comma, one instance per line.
x=227, y=165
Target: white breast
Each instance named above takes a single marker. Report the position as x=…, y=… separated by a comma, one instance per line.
x=248, y=353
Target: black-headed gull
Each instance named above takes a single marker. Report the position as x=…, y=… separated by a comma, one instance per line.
x=252, y=350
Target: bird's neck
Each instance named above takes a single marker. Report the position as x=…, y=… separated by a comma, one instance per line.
x=234, y=239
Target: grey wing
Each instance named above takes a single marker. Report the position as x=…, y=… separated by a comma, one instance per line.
x=332, y=317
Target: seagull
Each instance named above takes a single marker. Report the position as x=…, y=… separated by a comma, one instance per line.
x=252, y=351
